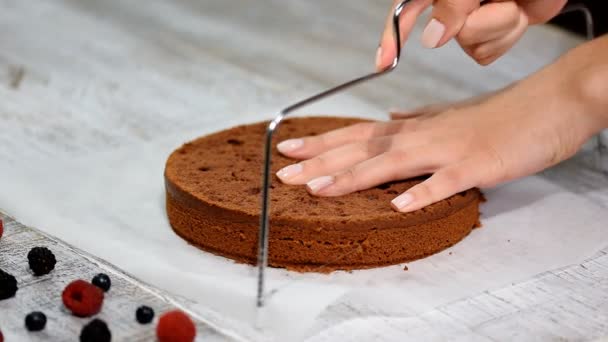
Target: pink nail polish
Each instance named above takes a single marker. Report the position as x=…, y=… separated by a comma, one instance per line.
x=402, y=201
x=289, y=171
x=290, y=145
x=432, y=34
x=319, y=184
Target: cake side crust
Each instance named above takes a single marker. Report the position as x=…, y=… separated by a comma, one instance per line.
x=290, y=247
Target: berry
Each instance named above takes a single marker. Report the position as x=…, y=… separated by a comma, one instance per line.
x=144, y=314
x=1, y=231
x=1, y=337
x=102, y=281
x=95, y=331
x=82, y=298
x=175, y=326
x=8, y=285
x=41, y=260
x=35, y=321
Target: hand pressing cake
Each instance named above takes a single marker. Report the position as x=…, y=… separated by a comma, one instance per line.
x=213, y=201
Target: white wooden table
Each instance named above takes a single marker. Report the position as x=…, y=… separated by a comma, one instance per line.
x=83, y=75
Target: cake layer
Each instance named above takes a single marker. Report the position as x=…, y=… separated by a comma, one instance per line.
x=213, y=197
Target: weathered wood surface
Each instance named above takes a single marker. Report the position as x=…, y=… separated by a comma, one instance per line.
x=43, y=293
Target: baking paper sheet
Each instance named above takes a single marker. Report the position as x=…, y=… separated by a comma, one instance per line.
x=111, y=204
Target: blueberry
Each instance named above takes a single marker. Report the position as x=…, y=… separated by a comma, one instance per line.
x=102, y=281
x=144, y=314
x=35, y=321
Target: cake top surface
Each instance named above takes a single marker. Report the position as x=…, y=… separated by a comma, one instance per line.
x=224, y=170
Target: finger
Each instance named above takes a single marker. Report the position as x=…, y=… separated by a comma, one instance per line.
x=399, y=114
x=447, y=18
x=441, y=185
x=334, y=160
x=539, y=11
x=488, y=52
x=386, y=167
x=344, y=157
x=387, y=50
x=432, y=110
x=489, y=22
x=308, y=147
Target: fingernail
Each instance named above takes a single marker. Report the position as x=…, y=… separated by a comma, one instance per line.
x=432, y=34
x=378, y=56
x=289, y=171
x=319, y=184
x=402, y=201
x=290, y=145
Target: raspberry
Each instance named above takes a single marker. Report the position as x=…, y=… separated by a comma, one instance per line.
x=41, y=260
x=1, y=337
x=144, y=314
x=95, y=331
x=1, y=231
x=35, y=321
x=175, y=326
x=8, y=285
x=82, y=298
x=102, y=281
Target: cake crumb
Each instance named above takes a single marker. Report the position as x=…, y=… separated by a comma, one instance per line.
x=405, y=268
x=450, y=253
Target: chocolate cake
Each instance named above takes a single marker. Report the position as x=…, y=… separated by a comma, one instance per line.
x=213, y=201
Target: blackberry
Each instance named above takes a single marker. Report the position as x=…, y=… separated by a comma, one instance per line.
x=35, y=321
x=144, y=314
x=95, y=331
x=102, y=281
x=8, y=285
x=41, y=260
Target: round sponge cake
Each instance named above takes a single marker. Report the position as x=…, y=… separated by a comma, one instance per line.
x=213, y=201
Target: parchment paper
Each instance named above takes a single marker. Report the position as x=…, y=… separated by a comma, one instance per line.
x=111, y=204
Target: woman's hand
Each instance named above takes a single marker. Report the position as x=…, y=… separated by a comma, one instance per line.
x=518, y=131
x=484, y=32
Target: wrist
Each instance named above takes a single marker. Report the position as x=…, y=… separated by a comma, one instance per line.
x=586, y=79
x=592, y=85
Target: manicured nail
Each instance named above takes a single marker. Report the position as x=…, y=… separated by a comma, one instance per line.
x=378, y=56
x=402, y=201
x=289, y=171
x=319, y=184
x=290, y=145
x=432, y=34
